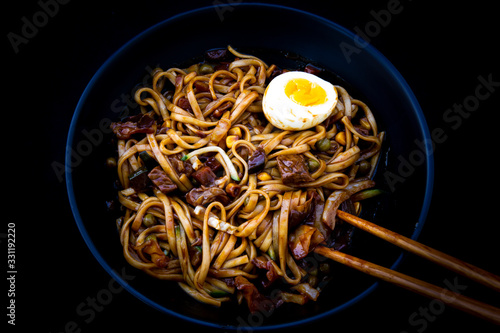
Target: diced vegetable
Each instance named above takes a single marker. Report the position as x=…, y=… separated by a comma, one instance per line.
x=233, y=189
x=303, y=240
x=193, y=68
x=148, y=161
x=235, y=131
x=221, y=225
x=218, y=293
x=340, y=138
x=205, y=69
x=367, y=194
x=271, y=253
x=152, y=248
x=149, y=220
x=111, y=162
x=312, y=164
x=293, y=298
x=195, y=161
x=364, y=167
x=231, y=139
x=263, y=176
x=323, y=144
x=307, y=290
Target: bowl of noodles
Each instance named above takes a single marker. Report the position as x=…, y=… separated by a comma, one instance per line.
x=190, y=166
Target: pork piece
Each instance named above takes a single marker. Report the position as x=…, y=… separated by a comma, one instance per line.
x=257, y=160
x=202, y=196
x=218, y=55
x=310, y=68
x=204, y=176
x=183, y=103
x=212, y=163
x=141, y=123
x=222, y=108
x=180, y=166
x=201, y=86
x=139, y=180
x=161, y=180
x=255, y=300
x=293, y=170
x=271, y=274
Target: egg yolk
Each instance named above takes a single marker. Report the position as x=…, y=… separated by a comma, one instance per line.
x=305, y=92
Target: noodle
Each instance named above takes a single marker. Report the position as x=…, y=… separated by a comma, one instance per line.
x=203, y=193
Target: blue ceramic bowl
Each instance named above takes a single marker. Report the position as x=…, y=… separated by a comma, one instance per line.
x=405, y=170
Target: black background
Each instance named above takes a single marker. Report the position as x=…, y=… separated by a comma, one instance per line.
x=440, y=50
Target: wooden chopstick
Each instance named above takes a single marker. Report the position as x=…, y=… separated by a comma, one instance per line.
x=453, y=299
x=472, y=272
x=466, y=304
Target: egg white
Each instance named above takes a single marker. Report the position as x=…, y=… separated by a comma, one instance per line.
x=284, y=113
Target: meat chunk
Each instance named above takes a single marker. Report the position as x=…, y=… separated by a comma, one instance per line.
x=205, y=176
x=255, y=300
x=266, y=264
x=161, y=180
x=139, y=180
x=201, y=196
x=222, y=108
x=141, y=123
x=212, y=163
x=257, y=160
x=180, y=166
x=293, y=170
x=310, y=68
x=218, y=55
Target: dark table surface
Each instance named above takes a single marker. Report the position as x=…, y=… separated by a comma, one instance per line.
x=445, y=52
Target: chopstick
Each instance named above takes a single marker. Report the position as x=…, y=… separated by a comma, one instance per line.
x=472, y=272
x=464, y=303
x=458, y=301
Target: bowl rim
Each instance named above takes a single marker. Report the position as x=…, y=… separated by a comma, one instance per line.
x=380, y=58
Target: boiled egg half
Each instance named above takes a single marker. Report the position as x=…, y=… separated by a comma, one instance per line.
x=297, y=101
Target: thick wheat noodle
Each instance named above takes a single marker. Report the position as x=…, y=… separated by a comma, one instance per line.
x=255, y=223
